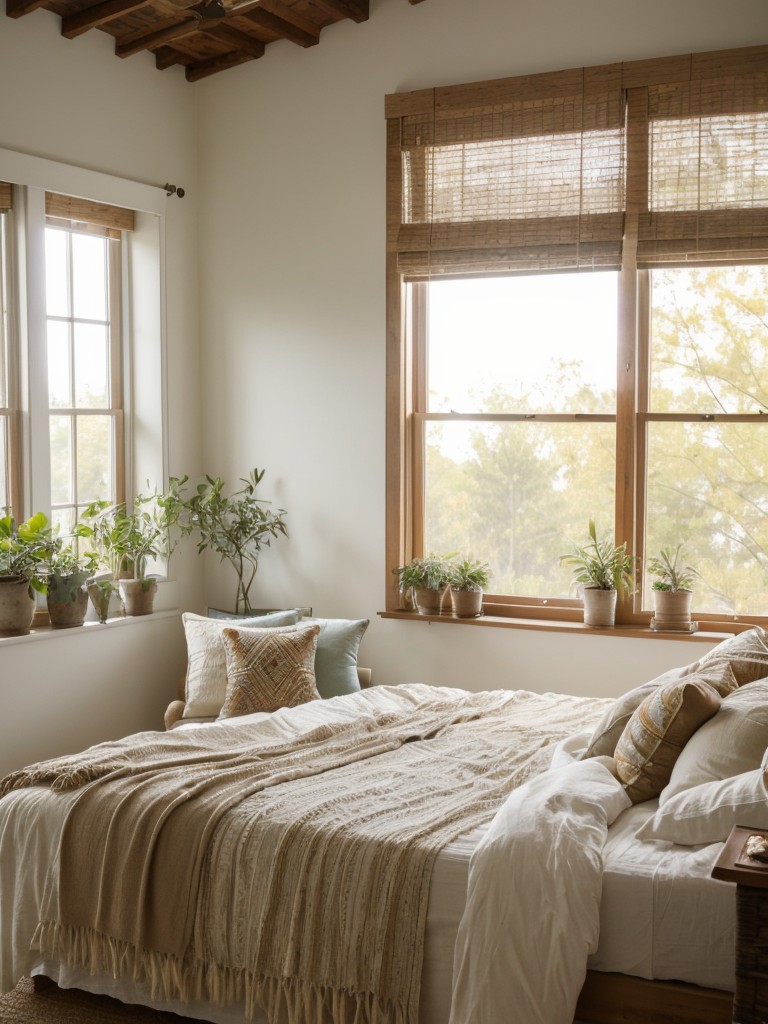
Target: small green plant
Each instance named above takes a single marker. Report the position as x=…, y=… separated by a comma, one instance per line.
x=600, y=564
x=25, y=548
x=470, y=575
x=68, y=571
x=672, y=575
x=430, y=573
x=126, y=539
x=235, y=526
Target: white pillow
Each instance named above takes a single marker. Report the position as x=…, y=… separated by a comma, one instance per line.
x=731, y=743
x=707, y=813
x=206, y=685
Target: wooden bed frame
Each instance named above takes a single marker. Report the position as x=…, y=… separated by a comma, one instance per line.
x=622, y=999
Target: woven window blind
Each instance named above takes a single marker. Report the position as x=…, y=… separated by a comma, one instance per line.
x=5, y=197
x=662, y=161
x=70, y=211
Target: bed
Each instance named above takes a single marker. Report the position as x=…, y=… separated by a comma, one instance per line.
x=530, y=888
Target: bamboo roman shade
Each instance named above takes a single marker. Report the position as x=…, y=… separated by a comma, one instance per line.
x=101, y=217
x=5, y=197
x=662, y=161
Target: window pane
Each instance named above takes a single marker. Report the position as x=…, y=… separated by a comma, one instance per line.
x=709, y=340
x=544, y=343
x=516, y=495
x=56, y=278
x=89, y=277
x=63, y=520
x=59, y=380
x=94, y=458
x=91, y=366
x=708, y=489
x=61, y=459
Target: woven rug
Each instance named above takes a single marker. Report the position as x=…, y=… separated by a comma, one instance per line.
x=55, y=1005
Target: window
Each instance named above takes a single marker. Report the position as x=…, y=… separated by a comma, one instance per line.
x=85, y=393
x=577, y=325
x=82, y=369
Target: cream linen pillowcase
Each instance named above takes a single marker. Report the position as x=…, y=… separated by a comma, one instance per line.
x=731, y=743
x=206, y=683
x=707, y=813
x=269, y=669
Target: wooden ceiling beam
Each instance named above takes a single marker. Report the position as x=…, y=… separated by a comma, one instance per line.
x=241, y=42
x=280, y=27
x=166, y=57
x=17, y=8
x=204, y=68
x=289, y=14
x=73, y=25
x=157, y=38
x=357, y=10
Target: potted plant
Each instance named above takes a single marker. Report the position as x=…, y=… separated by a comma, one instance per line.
x=427, y=578
x=236, y=526
x=24, y=549
x=67, y=584
x=468, y=580
x=672, y=590
x=126, y=539
x=601, y=569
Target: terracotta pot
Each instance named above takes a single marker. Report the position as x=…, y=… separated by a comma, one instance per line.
x=467, y=604
x=599, y=606
x=138, y=596
x=67, y=600
x=17, y=608
x=429, y=602
x=672, y=609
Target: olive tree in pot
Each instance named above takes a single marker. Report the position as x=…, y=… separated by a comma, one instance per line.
x=468, y=579
x=24, y=550
x=672, y=590
x=237, y=527
x=428, y=579
x=601, y=569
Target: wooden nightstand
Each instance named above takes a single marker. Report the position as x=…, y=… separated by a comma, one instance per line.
x=750, y=1005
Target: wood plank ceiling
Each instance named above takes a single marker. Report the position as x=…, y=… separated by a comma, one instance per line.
x=205, y=36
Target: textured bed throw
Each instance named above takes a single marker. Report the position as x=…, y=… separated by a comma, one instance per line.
x=286, y=861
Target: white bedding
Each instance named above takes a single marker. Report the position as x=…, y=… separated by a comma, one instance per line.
x=651, y=891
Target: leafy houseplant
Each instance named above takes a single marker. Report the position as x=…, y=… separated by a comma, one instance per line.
x=427, y=578
x=468, y=580
x=602, y=569
x=672, y=590
x=126, y=538
x=24, y=550
x=67, y=584
x=236, y=526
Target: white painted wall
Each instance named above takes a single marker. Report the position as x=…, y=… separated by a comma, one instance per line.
x=76, y=103
x=292, y=238
x=283, y=162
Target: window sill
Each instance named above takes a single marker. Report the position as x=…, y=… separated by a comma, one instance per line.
x=46, y=632
x=559, y=626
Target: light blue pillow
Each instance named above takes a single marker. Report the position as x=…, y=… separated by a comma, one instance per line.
x=336, y=655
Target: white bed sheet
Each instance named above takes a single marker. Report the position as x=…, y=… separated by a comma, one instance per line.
x=652, y=894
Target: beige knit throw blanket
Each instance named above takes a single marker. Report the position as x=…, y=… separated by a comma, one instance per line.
x=290, y=871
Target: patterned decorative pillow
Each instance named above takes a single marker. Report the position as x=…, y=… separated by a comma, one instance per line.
x=206, y=683
x=269, y=669
x=657, y=732
x=610, y=727
x=746, y=653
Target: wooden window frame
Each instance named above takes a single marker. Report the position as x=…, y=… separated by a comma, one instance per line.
x=406, y=347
